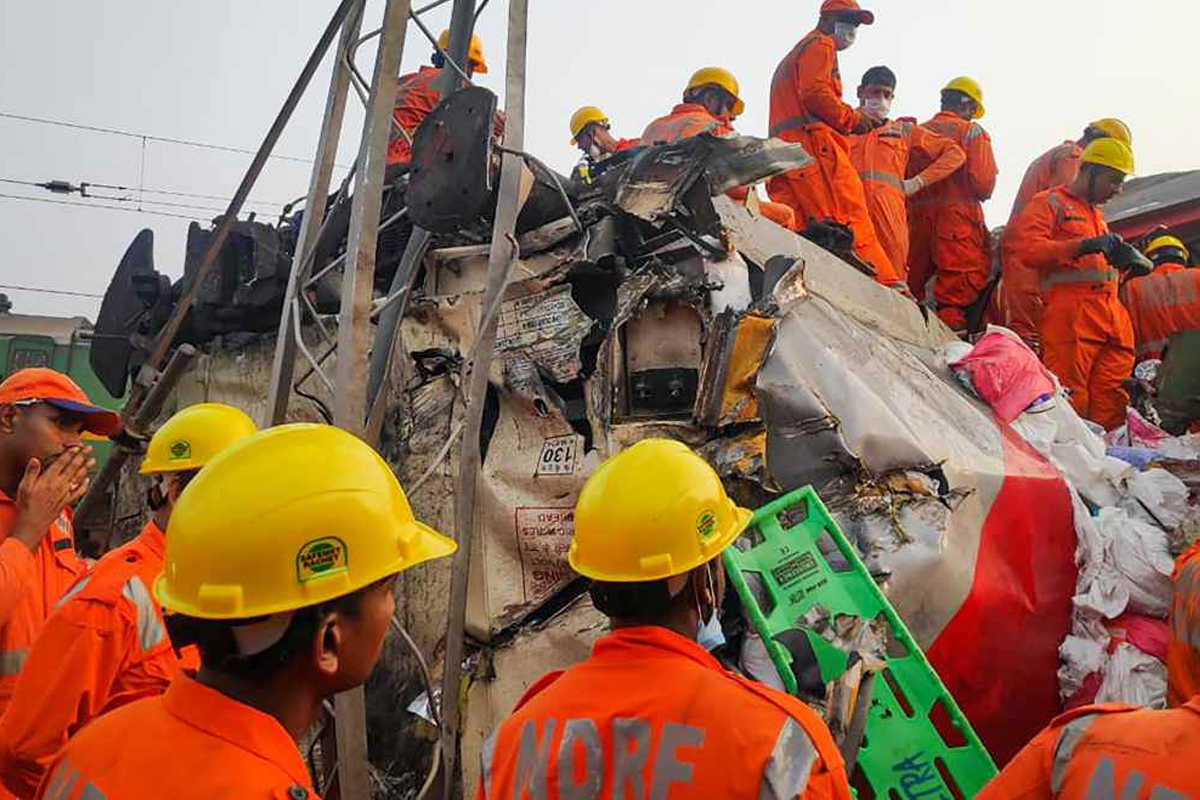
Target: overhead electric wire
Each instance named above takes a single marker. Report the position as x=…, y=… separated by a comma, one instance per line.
x=41, y=290
x=100, y=205
x=150, y=137
x=151, y=201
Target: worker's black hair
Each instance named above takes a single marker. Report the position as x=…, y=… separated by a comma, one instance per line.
x=698, y=93
x=1168, y=255
x=642, y=602
x=878, y=76
x=437, y=59
x=219, y=650
x=953, y=99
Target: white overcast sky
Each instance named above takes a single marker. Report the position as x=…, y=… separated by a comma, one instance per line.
x=217, y=71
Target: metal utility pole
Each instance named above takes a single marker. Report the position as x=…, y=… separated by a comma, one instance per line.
x=501, y=257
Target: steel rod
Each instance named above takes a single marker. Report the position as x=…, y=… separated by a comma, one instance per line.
x=503, y=253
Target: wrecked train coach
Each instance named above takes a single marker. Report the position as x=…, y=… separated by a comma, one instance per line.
x=648, y=303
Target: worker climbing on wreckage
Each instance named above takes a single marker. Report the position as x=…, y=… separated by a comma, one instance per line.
x=807, y=108
x=280, y=560
x=591, y=132
x=1164, y=302
x=949, y=257
x=651, y=711
x=106, y=645
x=1114, y=750
x=881, y=158
x=1019, y=300
x=1087, y=337
x=711, y=101
x=44, y=467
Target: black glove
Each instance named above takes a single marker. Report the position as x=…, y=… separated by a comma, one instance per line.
x=1105, y=243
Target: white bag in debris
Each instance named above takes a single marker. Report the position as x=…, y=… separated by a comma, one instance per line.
x=1131, y=676
x=1100, y=588
x=1080, y=658
x=1184, y=448
x=1158, y=497
x=1138, y=553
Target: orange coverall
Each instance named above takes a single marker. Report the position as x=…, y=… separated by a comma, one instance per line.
x=106, y=645
x=950, y=250
x=807, y=107
x=652, y=712
x=692, y=119
x=1087, y=338
x=1160, y=304
x=1183, y=648
x=416, y=95
x=192, y=743
x=1107, y=751
x=30, y=585
x=1019, y=299
x=881, y=158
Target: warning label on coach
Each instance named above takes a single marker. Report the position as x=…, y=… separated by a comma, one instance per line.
x=543, y=539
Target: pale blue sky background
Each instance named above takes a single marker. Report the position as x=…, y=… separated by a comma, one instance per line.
x=218, y=70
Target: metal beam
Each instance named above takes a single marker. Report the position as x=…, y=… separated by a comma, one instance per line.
x=354, y=334
x=283, y=368
x=500, y=260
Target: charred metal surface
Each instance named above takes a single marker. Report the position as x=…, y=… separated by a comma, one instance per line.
x=452, y=180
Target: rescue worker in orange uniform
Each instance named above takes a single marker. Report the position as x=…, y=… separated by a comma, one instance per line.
x=881, y=158
x=650, y=712
x=591, y=132
x=1165, y=301
x=711, y=101
x=1020, y=302
x=44, y=468
x=106, y=644
x=807, y=107
x=280, y=561
x=1087, y=338
x=1114, y=750
x=1183, y=646
x=949, y=257
x=419, y=93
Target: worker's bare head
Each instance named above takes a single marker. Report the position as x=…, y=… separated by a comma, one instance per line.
x=324, y=649
x=717, y=100
x=681, y=602
x=1098, y=183
x=959, y=103
x=875, y=92
x=38, y=430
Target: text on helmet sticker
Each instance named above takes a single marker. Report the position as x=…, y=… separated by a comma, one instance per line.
x=321, y=558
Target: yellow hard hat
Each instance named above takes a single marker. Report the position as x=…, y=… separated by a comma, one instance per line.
x=971, y=88
x=194, y=436
x=1109, y=153
x=653, y=511
x=584, y=117
x=474, y=52
x=1114, y=128
x=718, y=77
x=290, y=517
x=1167, y=240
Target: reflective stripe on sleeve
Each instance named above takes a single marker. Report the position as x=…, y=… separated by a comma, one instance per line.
x=790, y=764
x=149, y=627
x=1072, y=733
x=11, y=661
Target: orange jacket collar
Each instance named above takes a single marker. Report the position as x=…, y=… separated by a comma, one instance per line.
x=635, y=642
x=154, y=540
x=208, y=710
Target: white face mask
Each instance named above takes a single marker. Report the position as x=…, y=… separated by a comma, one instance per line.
x=594, y=152
x=877, y=108
x=844, y=34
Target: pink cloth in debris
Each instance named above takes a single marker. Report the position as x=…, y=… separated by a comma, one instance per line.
x=1006, y=374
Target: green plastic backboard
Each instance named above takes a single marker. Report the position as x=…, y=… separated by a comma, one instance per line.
x=917, y=743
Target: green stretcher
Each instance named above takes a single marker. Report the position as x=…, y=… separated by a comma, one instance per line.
x=798, y=577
